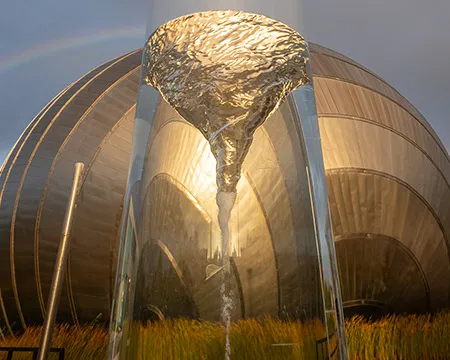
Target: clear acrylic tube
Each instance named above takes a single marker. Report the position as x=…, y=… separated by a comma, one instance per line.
x=226, y=248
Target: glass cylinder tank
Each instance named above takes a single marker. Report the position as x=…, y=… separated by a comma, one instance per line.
x=226, y=249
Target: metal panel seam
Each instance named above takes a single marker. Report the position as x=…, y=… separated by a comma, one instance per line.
x=401, y=182
x=368, y=72
x=54, y=162
x=375, y=123
x=12, y=264
x=346, y=81
x=365, y=236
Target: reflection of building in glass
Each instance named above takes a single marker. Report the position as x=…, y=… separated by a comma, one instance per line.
x=274, y=255
x=388, y=183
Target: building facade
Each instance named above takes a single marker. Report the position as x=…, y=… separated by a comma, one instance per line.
x=387, y=173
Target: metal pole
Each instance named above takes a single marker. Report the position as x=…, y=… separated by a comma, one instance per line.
x=60, y=266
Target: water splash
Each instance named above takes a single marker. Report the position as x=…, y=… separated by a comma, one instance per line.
x=226, y=72
x=225, y=202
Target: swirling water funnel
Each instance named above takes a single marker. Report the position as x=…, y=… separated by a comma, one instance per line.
x=225, y=72
x=221, y=216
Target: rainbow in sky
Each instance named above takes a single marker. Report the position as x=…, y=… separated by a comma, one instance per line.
x=11, y=61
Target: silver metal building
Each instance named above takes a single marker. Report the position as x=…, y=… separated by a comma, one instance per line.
x=388, y=182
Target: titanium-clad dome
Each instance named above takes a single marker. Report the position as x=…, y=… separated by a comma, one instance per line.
x=388, y=182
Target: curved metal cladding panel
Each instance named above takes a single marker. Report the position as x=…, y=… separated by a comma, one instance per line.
x=30, y=232
x=388, y=181
x=12, y=185
x=387, y=173
x=331, y=64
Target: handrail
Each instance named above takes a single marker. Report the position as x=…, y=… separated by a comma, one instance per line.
x=34, y=350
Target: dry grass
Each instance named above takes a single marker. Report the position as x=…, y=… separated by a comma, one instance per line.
x=395, y=337
x=80, y=343
x=410, y=337
x=250, y=339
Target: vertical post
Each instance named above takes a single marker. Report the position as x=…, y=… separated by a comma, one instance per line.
x=60, y=265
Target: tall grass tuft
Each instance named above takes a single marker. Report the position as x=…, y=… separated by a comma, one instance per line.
x=412, y=337
x=268, y=338
x=80, y=343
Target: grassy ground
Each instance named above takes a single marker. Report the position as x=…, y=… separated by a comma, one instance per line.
x=400, y=337
x=395, y=337
x=250, y=339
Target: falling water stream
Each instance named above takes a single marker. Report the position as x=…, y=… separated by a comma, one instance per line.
x=225, y=72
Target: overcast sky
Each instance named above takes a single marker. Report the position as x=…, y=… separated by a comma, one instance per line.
x=47, y=44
